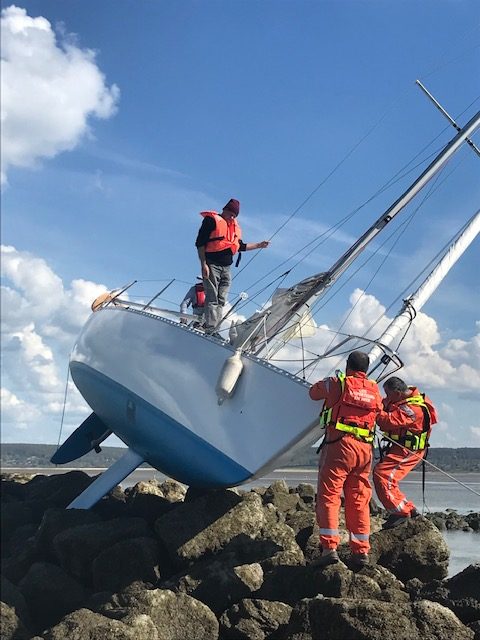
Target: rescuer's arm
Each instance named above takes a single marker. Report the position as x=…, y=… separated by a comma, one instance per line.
x=399, y=417
x=319, y=390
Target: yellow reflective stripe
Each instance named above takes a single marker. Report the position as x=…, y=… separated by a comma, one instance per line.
x=356, y=431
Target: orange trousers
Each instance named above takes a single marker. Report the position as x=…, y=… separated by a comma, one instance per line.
x=344, y=465
x=387, y=473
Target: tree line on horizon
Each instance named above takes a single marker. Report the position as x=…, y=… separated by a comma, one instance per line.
x=465, y=459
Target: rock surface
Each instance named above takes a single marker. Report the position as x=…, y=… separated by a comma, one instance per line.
x=157, y=562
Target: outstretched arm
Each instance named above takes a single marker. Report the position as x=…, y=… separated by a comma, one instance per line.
x=256, y=245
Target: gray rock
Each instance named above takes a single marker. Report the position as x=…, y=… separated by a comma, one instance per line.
x=304, y=525
x=172, y=490
x=16, y=567
x=332, y=619
x=125, y=562
x=461, y=593
x=175, y=616
x=291, y=584
x=58, y=489
x=77, y=548
x=50, y=594
x=87, y=625
x=218, y=583
x=11, y=627
x=55, y=521
x=11, y=595
x=254, y=620
x=415, y=549
x=307, y=493
x=206, y=525
x=17, y=514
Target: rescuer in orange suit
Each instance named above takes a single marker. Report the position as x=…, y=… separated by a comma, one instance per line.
x=407, y=419
x=351, y=405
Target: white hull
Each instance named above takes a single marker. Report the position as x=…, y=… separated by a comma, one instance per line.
x=152, y=381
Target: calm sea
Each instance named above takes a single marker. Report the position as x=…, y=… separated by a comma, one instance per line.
x=441, y=493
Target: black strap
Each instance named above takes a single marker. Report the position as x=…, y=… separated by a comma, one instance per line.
x=214, y=239
x=325, y=441
x=238, y=259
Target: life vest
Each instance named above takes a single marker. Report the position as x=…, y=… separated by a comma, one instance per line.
x=409, y=439
x=356, y=409
x=199, y=296
x=226, y=235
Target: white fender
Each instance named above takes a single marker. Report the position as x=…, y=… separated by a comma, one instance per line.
x=228, y=378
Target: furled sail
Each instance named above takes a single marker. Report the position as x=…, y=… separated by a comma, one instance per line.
x=288, y=309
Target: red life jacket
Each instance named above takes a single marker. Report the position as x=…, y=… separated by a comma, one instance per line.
x=199, y=296
x=356, y=410
x=226, y=235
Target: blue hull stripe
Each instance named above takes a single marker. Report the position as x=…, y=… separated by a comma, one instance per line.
x=163, y=442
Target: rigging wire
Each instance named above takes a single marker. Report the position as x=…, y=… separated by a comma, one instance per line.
x=63, y=409
x=436, y=185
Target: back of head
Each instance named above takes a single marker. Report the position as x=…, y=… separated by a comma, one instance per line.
x=395, y=384
x=358, y=361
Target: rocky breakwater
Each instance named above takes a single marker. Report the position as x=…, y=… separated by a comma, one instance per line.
x=157, y=562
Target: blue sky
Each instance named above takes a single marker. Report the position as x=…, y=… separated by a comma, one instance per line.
x=123, y=120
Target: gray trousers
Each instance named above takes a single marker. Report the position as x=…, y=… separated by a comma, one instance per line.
x=216, y=286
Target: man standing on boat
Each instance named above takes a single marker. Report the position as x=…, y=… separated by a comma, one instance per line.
x=407, y=420
x=351, y=404
x=218, y=240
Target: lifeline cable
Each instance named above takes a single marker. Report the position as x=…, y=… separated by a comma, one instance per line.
x=435, y=467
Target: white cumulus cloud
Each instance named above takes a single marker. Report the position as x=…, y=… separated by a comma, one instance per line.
x=49, y=87
x=41, y=318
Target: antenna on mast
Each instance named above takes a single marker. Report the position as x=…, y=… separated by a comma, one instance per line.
x=447, y=115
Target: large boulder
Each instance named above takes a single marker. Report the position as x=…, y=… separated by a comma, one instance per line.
x=11, y=627
x=255, y=620
x=77, y=548
x=218, y=583
x=415, y=549
x=176, y=616
x=87, y=625
x=58, y=489
x=12, y=596
x=208, y=524
x=125, y=562
x=291, y=584
x=461, y=593
x=55, y=521
x=50, y=594
x=14, y=515
x=338, y=619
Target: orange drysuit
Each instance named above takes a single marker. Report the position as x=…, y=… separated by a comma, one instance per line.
x=408, y=421
x=346, y=458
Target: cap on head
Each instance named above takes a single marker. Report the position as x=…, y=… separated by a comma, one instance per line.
x=233, y=206
x=358, y=361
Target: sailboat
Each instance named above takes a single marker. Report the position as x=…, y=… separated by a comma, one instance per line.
x=206, y=412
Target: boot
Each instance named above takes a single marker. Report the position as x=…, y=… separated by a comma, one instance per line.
x=329, y=556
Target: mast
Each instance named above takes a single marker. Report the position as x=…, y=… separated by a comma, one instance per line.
x=416, y=300
x=298, y=299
